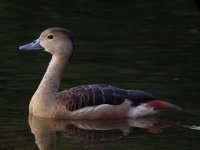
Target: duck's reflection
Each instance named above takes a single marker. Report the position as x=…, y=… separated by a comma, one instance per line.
x=45, y=130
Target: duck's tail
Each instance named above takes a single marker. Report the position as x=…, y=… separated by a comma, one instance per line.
x=162, y=105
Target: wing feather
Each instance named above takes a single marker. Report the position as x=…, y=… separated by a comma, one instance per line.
x=97, y=94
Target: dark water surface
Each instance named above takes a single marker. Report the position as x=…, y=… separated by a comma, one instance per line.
x=147, y=45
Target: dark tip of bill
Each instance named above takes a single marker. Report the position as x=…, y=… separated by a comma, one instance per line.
x=20, y=48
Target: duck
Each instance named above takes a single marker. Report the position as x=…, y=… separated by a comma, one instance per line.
x=95, y=101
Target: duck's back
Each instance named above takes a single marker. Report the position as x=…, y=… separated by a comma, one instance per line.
x=98, y=94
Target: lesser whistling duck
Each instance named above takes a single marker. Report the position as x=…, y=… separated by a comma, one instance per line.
x=96, y=101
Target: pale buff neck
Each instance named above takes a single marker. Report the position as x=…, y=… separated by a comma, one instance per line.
x=48, y=88
x=52, y=77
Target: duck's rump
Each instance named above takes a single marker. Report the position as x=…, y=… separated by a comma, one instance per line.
x=97, y=94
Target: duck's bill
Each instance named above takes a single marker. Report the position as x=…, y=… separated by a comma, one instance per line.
x=35, y=45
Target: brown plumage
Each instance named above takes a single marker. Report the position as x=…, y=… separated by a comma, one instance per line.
x=98, y=94
x=97, y=101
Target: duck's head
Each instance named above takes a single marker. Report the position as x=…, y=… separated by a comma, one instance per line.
x=57, y=41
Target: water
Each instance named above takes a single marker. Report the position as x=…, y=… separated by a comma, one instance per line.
x=152, y=46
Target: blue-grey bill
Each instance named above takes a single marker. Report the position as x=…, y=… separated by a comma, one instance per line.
x=35, y=45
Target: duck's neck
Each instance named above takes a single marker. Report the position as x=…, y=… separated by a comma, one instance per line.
x=47, y=91
x=51, y=80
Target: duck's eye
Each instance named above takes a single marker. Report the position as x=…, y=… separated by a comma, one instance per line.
x=50, y=36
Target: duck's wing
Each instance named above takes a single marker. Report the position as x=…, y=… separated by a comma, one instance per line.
x=97, y=94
